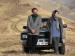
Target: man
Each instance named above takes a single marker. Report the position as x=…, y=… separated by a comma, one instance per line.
x=56, y=28
x=34, y=24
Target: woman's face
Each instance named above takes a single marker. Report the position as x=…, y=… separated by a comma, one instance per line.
x=55, y=14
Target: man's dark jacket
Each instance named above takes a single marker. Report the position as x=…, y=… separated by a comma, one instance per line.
x=31, y=24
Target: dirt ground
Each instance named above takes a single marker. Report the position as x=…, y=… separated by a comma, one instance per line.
x=10, y=43
x=13, y=16
x=11, y=46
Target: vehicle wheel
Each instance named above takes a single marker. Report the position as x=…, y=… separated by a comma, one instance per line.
x=25, y=49
x=62, y=49
x=32, y=49
x=28, y=49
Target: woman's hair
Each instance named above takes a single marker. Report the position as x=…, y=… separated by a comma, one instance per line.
x=34, y=9
x=55, y=11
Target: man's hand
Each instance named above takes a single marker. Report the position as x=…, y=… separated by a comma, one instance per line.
x=33, y=30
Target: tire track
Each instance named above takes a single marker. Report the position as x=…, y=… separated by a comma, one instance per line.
x=15, y=24
x=14, y=28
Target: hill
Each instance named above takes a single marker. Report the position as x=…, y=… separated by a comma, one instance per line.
x=13, y=15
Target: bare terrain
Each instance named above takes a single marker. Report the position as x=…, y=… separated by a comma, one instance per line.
x=13, y=15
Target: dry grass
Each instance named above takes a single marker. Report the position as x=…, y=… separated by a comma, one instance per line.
x=11, y=27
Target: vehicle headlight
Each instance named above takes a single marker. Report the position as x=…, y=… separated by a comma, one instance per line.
x=24, y=36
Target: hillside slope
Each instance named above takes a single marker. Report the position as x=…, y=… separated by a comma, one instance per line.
x=13, y=15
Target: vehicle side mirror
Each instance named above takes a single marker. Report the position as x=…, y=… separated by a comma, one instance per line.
x=24, y=27
x=64, y=26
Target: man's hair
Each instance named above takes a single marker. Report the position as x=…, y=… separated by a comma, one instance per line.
x=34, y=9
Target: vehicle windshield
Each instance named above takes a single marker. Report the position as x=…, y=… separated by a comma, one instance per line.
x=44, y=24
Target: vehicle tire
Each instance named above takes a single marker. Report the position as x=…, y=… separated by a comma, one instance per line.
x=62, y=49
x=28, y=49
x=25, y=49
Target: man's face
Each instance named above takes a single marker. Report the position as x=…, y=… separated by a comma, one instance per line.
x=35, y=12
